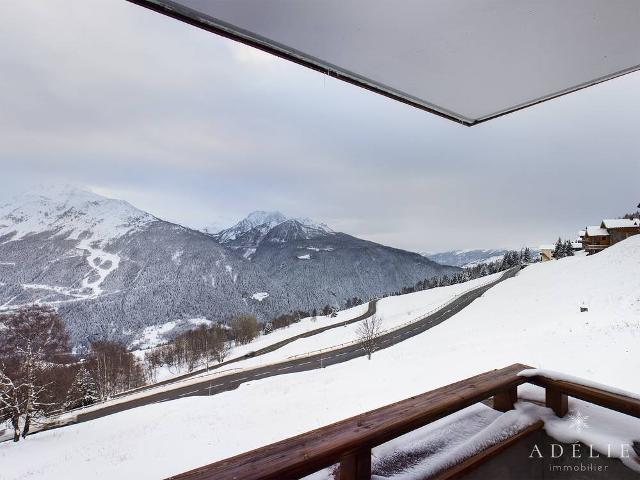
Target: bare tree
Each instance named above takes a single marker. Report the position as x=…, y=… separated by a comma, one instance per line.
x=12, y=404
x=245, y=328
x=33, y=337
x=219, y=346
x=368, y=333
x=113, y=368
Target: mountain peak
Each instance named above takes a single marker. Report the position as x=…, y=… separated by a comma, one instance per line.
x=296, y=229
x=69, y=210
x=261, y=217
x=270, y=226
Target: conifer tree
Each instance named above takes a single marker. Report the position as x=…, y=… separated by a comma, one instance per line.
x=83, y=390
x=568, y=249
x=559, y=251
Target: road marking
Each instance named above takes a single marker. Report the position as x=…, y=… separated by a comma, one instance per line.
x=306, y=363
x=189, y=393
x=341, y=354
x=261, y=374
x=217, y=385
x=285, y=368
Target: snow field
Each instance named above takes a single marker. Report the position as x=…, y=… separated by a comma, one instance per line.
x=533, y=318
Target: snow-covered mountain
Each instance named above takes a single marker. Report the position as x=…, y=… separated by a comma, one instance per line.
x=466, y=258
x=318, y=263
x=113, y=270
x=246, y=235
x=70, y=212
x=253, y=220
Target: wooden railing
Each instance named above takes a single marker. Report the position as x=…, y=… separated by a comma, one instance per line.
x=349, y=442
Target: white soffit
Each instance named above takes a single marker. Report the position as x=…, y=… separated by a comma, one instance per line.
x=467, y=60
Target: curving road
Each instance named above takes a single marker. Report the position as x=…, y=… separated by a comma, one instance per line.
x=371, y=310
x=231, y=381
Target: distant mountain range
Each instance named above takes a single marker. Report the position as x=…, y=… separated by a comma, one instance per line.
x=113, y=270
x=466, y=258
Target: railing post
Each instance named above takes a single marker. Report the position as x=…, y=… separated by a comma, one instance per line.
x=556, y=401
x=356, y=465
x=503, y=401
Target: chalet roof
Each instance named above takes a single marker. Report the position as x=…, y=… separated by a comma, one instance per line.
x=596, y=231
x=582, y=233
x=620, y=223
x=547, y=247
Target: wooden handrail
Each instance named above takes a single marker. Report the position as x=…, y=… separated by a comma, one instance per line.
x=598, y=396
x=349, y=441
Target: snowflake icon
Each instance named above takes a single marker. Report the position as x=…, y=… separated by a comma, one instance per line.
x=577, y=420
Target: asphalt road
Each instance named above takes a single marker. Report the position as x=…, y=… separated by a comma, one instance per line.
x=371, y=310
x=231, y=381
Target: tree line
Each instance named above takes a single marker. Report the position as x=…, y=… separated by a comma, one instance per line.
x=39, y=376
x=511, y=258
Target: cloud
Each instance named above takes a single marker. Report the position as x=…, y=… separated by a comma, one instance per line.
x=196, y=128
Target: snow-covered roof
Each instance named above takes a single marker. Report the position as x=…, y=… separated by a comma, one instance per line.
x=620, y=222
x=547, y=247
x=582, y=233
x=596, y=231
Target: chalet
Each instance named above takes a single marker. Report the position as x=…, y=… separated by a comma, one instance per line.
x=621, y=228
x=546, y=252
x=595, y=239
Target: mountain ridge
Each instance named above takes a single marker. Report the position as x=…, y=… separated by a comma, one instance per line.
x=112, y=270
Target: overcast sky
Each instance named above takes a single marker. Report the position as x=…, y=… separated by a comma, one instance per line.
x=197, y=129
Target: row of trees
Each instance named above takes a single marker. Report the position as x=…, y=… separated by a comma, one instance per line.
x=38, y=375
x=511, y=259
x=203, y=345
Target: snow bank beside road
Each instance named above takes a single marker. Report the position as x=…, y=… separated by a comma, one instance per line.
x=533, y=318
x=393, y=312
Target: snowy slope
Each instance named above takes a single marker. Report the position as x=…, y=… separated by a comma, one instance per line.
x=269, y=227
x=393, y=311
x=69, y=212
x=253, y=220
x=533, y=318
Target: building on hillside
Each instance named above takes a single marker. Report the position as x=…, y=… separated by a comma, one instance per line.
x=546, y=252
x=595, y=239
x=620, y=228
